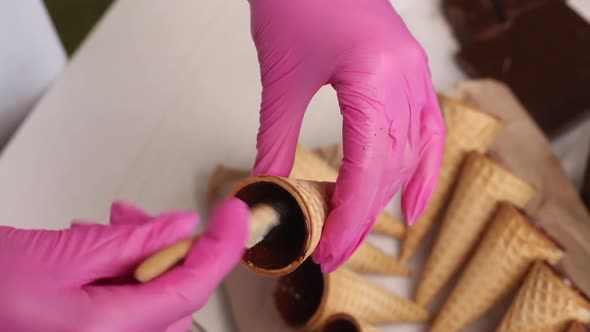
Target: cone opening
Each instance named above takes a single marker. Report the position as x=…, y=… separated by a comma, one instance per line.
x=567, y=281
x=536, y=226
x=475, y=157
x=285, y=243
x=298, y=295
x=341, y=323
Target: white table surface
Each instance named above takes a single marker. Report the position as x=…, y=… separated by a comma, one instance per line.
x=160, y=93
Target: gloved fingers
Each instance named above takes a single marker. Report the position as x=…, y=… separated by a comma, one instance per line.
x=212, y=257
x=127, y=213
x=24, y=241
x=110, y=251
x=366, y=143
x=405, y=103
x=285, y=98
x=124, y=213
x=184, y=289
x=121, y=213
x=419, y=188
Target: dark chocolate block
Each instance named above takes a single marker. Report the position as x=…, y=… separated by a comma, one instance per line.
x=473, y=18
x=544, y=56
x=470, y=18
x=512, y=8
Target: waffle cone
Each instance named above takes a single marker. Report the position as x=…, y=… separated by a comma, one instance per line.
x=332, y=154
x=343, y=322
x=386, y=224
x=576, y=326
x=221, y=181
x=312, y=199
x=482, y=185
x=505, y=254
x=545, y=302
x=468, y=129
x=306, y=299
x=370, y=259
x=350, y=293
x=310, y=166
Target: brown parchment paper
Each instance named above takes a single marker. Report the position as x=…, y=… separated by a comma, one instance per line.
x=524, y=149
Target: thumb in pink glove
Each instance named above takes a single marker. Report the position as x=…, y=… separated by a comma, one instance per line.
x=78, y=279
x=393, y=132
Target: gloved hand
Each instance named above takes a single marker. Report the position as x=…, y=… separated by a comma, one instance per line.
x=79, y=279
x=393, y=132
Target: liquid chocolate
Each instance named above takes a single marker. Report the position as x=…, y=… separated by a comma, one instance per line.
x=340, y=325
x=298, y=295
x=284, y=244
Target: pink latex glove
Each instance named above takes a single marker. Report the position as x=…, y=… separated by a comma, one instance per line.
x=393, y=132
x=79, y=279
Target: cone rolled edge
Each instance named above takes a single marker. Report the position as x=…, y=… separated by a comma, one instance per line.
x=313, y=217
x=544, y=270
x=581, y=298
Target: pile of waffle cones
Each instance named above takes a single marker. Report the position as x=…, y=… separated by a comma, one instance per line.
x=486, y=240
x=492, y=247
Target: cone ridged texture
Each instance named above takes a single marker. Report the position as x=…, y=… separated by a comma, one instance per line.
x=337, y=322
x=468, y=129
x=482, y=185
x=332, y=154
x=506, y=253
x=310, y=166
x=545, y=302
x=348, y=292
x=313, y=200
x=386, y=224
x=370, y=259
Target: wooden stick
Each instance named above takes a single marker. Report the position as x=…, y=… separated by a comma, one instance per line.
x=263, y=218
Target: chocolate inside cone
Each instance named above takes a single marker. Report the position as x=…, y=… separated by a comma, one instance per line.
x=341, y=324
x=298, y=295
x=285, y=243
